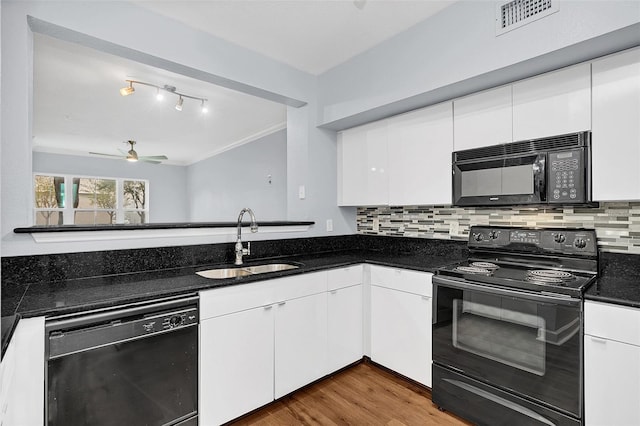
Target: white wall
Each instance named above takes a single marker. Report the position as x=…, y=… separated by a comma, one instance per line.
x=220, y=186
x=168, y=195
x=457, y=52
x=125, y=29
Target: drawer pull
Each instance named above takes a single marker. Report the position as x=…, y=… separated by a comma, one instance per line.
x=282, y=303
x=267, y=307
x=334, y=291
x=598, y=340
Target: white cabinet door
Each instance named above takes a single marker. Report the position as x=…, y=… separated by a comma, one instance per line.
x=362, y=165
x=611, y=383
x=483, y=119
x=420, y=145
x=616, y=127
x=22, y=387
x=300, y=342
x=344, y=330
x=236, y=364
x=552, y=104
x=401, y=332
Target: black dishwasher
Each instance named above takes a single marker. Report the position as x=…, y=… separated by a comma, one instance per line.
x=135, y=365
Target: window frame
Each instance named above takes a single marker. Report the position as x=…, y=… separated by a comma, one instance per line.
x=68, y=212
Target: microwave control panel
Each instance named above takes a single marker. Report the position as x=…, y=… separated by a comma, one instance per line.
x=566, y=177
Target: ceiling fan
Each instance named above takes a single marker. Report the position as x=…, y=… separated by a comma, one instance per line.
x=133, y=156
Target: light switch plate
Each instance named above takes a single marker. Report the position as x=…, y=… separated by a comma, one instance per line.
x=301, y=192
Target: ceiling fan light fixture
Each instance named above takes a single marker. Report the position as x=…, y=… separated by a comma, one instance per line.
x=126, y=91
x=179, y=104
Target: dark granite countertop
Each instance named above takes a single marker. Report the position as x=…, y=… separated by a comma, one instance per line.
x=83, y=294
x=618, y=281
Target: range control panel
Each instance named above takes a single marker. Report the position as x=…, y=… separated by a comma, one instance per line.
x=566, y=241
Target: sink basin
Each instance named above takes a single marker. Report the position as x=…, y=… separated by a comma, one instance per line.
x=242, y=271
x=222, y=273
x=270, y=267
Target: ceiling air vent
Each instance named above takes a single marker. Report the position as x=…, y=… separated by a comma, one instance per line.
x=516, y=13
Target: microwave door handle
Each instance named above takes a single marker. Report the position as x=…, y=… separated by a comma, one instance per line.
x=540, y=176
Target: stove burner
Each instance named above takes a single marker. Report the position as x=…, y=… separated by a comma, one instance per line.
x=485, y=265
x=473, y=270
x=550, y=276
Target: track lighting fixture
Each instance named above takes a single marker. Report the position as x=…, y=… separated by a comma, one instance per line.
x=125, y=91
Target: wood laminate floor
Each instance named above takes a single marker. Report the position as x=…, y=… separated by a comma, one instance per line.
x=360, y=395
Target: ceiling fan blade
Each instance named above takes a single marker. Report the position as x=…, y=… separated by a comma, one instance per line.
x=106, y=155
x=145, y=160
x=154, y=157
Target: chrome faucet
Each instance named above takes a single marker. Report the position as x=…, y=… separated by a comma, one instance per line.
x=240, y=251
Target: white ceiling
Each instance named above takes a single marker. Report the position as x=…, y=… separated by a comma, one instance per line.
x=78, y=108
x=310, y=35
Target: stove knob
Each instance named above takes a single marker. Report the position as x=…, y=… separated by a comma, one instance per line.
x=580, y=243
x=559, y=238
x=478, y=236
x=493, y=235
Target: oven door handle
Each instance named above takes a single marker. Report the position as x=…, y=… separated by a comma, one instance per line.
x=556, y=299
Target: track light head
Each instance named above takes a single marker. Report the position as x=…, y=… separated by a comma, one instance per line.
x=126, y=91
x=159, y=94
x=203, y=107
x=179, y=104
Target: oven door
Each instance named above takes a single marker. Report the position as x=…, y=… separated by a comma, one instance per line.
x=503, y=181
x=524, y=343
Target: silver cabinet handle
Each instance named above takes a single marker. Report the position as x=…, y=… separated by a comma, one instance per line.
x=282, y=303
x=267, y=307
x=333, y=291
x=598, y=340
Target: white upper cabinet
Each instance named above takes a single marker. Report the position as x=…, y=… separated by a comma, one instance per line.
x=552, y=104
x=362, y=165
x=420, y=145
x=483, y=119
x=616, y=127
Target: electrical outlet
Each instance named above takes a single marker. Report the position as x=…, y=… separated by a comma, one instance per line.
x=301, y=192
x=329, y=225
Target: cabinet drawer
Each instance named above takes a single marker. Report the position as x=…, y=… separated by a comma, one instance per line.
x=613, y=322
x=401, y=279
x=227, y=300
x=300, y=286
x=344, y=277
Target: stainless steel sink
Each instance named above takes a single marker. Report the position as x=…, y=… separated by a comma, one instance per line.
x=270, y=267
x=222, y=273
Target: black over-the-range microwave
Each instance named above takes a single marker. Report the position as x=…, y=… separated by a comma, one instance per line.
x=549, y=171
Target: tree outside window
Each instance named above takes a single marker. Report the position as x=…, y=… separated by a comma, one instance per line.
x=94, y=200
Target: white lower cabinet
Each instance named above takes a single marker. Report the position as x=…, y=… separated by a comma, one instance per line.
x=401, y=322
x=259, y=342
x=236, y=366
x=344, y=327
x=300, y=342
x=611, y=365
x=22, y=376
x=344, y=319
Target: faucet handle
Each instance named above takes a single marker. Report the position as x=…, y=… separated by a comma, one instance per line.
x=247, y=251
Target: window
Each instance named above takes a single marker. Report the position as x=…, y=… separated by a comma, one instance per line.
x=86, y=200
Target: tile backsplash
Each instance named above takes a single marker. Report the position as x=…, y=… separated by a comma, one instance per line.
x=617, y=224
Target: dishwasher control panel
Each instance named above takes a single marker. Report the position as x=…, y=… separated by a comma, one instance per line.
x=171, y=320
